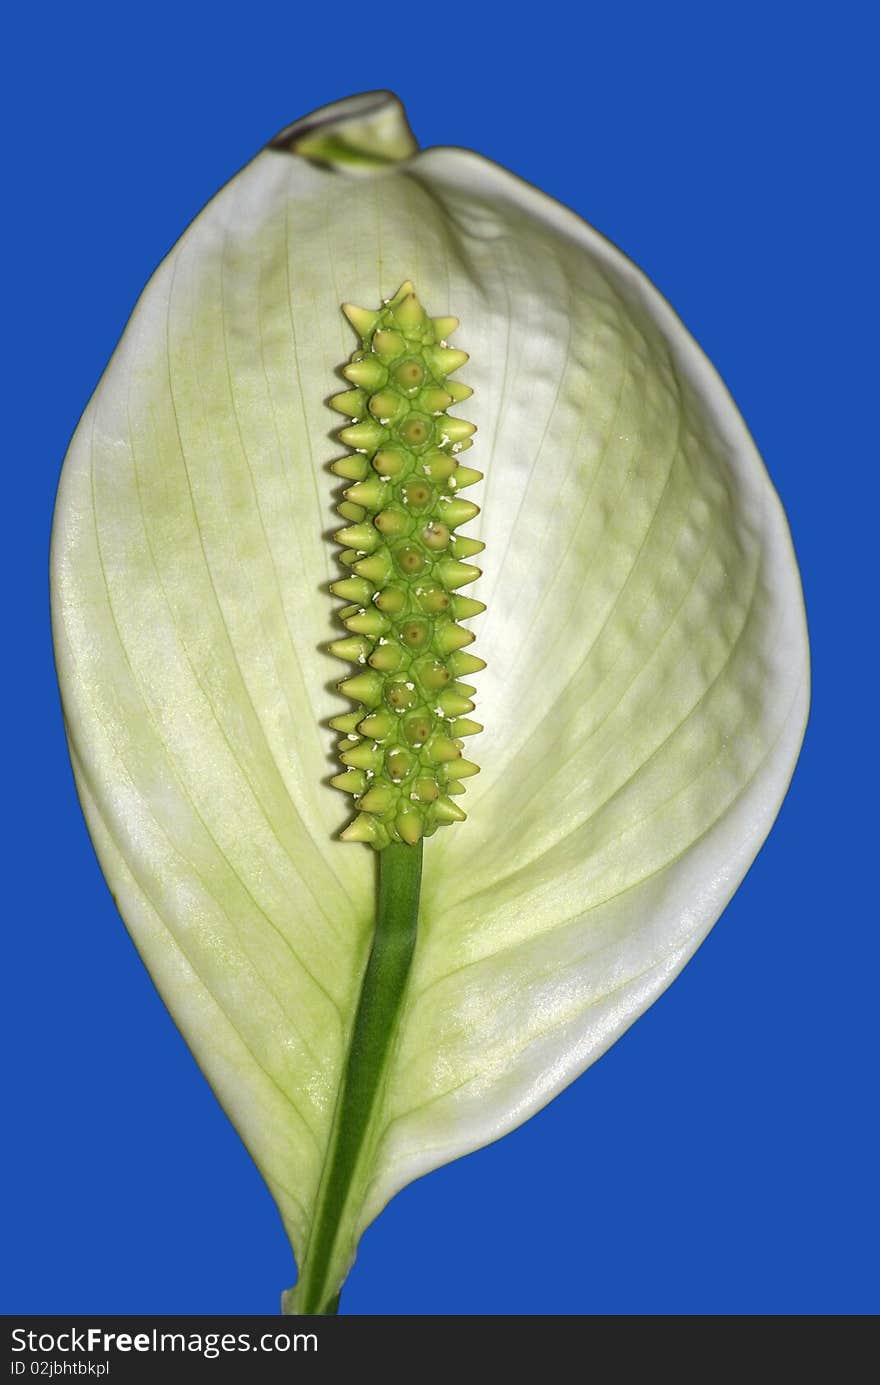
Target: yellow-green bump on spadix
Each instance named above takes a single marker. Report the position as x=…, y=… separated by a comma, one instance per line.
x=405, y=479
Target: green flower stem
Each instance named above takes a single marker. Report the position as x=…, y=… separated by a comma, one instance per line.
x=384, y=985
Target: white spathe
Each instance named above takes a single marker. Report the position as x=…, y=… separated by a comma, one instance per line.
x=647, y=681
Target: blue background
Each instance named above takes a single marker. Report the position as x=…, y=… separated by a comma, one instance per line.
x=719, y=1159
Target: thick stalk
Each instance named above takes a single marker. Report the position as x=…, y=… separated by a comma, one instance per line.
x=381, y=999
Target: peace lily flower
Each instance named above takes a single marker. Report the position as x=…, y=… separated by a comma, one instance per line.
x=644, y=698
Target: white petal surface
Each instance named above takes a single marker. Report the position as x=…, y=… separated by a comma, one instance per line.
x=648, y=672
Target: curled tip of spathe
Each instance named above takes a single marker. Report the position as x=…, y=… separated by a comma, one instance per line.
x=402, y=747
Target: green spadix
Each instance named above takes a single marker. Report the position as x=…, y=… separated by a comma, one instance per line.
x=406, y=738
